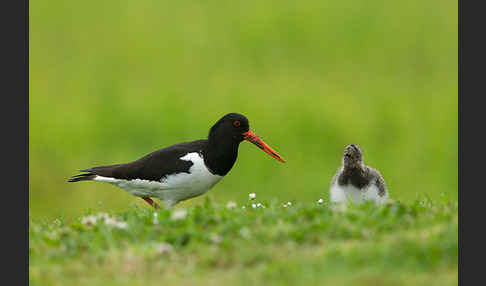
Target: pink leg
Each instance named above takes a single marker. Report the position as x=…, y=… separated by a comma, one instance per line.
x=151, y=203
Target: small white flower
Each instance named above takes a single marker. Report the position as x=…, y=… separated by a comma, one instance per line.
x=36, y=228
x=243, y=207
x=320, y=201
x=163, y=248
x=231, y=205
x=259, y=205
x=252, y=196
x=179, y=214
x=253, y=206
x=112, y=222
x=284, y=205
x=245, y=232
x=89, y=220
x=121, y=224
x=289, y=204
x=53, y=235
x=216, y=239
x=103, y=216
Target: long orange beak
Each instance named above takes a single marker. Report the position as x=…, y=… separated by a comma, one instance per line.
x=251, y=137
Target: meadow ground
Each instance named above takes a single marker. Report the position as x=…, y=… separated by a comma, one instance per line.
x=301, y=244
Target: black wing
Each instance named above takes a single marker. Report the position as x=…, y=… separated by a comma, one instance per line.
x=153, y=166
x=380, y=182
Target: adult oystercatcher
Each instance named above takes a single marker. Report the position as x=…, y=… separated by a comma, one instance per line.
x=356, y=181
x=183, y=170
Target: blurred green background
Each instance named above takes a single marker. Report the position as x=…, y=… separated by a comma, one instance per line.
x=111, y=81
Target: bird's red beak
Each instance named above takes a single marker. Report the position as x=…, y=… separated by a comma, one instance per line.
x=251, y=137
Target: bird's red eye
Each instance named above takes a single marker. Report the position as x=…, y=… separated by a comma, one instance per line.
x=236, y=123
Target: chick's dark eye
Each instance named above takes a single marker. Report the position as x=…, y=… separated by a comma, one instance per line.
x=236, y=123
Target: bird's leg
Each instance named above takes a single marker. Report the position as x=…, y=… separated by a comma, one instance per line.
x=151, y=203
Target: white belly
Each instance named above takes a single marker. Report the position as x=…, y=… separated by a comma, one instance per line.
x=173, y=188
x=350, y=192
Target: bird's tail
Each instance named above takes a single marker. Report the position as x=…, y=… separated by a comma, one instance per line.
x=82, y=177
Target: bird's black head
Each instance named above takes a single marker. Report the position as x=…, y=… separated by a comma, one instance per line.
x=233, y=128
x=353, y=157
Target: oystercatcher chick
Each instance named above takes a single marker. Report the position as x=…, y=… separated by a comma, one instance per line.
x=356, y=181
x=181, y=171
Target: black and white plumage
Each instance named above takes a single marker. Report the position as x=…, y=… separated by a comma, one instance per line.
x=183, y=170
x=356, y=181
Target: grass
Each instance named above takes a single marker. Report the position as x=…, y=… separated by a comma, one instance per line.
x=305, y=243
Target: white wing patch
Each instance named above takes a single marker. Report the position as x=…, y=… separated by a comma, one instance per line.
x=173, y=188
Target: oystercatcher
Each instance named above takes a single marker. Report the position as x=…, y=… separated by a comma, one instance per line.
x=356, y=181
x=183, y=170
